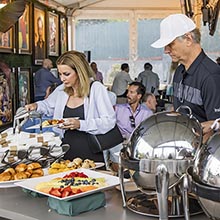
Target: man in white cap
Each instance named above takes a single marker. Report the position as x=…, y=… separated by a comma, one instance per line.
x=197, y=78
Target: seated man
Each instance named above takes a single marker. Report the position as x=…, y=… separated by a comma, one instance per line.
x=129, y=116
x=150, y=102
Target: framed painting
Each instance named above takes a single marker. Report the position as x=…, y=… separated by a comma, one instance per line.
x=39, y=36
x=63, y=34
x=53, y=34
x=6, y=95
x=7, y=41
x=24, y=32
x=24, y=93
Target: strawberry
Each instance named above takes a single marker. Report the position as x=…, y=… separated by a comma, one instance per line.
x=55, y=192
x=65, y=193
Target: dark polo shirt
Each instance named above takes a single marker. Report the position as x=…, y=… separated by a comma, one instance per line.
x=198, y=88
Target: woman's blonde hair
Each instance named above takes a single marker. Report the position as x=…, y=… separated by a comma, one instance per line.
x=77, y=61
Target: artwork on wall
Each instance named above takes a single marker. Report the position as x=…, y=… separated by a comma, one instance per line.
x=24, y=32
x=39, y=36
x=23, y=79
x=63, y=34
x=53, y=34
x=7, y=41
x=6, y=94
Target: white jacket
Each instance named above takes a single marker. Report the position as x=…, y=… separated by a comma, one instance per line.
x=99, y=113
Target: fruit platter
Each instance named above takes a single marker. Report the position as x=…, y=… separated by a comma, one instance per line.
x=71, y=184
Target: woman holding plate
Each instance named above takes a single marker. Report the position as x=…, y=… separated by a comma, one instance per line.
x=85, y=110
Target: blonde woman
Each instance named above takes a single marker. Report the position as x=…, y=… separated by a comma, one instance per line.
x=86, y=110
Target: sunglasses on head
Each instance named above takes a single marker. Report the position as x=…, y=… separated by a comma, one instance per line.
x=132, y=120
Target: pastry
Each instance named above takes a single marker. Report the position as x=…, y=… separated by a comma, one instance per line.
x=11, y=171
x=38, y=171
x=21, y=167
x=20, y=175
x=5, y=176
x=33, y=166
x=77, y=161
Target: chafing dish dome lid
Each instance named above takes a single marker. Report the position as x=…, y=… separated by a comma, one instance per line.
x=165, y=135
x=206, y=167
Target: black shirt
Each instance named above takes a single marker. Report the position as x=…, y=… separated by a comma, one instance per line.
x=199, y=88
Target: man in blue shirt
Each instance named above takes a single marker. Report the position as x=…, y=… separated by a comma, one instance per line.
x=43, y=79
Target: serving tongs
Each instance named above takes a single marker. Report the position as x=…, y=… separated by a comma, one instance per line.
x=24, y=114
x=22, y=158
x=48, y=155
x=58, y=157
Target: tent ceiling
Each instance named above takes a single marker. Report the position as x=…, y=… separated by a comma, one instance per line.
x=118, y=4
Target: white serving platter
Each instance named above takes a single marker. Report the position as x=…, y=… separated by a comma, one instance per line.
x=31, y=184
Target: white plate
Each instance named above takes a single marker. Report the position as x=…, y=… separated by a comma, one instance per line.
x=31, y=184
x=37, y=126
x=129, y=186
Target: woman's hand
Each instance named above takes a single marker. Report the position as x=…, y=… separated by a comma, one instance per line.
x=31, y=107
x=71, y=123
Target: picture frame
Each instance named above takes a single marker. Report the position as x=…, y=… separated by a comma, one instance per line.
x=39, y=36
x=63, y=34
x=24, y=32
x=7, y=41
x=23, y=86
x=6, y=95
x=53, y=34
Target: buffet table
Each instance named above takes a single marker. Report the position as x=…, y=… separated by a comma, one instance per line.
x=15, y=204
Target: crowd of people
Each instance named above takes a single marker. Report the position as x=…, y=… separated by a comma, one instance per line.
x=94, y=109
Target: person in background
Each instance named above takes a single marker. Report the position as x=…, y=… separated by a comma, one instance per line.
x=87, y=110
x=43, y=79
x=218, y=60
x=132, y=113
x=98, y=74
x=150, y=102
x=128, y=117
x=197, y=78
x=149, y=79
x=50, y=89
x=121, y=81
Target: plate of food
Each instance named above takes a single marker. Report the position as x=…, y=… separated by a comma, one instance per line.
x=21, y=172
x=50, y=123
x=67, y=165
x=70, y=184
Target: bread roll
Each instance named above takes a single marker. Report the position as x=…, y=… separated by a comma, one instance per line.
x=5, y=176
x=21, y=167
x=77, y=161
x=38, y=171
x=11, y=171
x=20, y=175
x=34, y=175
x=33, y=166
x=28, y=173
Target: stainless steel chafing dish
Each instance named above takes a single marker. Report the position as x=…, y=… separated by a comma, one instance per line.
x=205, y=177
x=158, y=154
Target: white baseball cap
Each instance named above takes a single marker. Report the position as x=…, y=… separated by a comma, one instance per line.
x=173, y=26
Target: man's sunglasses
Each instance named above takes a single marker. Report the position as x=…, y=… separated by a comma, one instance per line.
x=132, y=120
